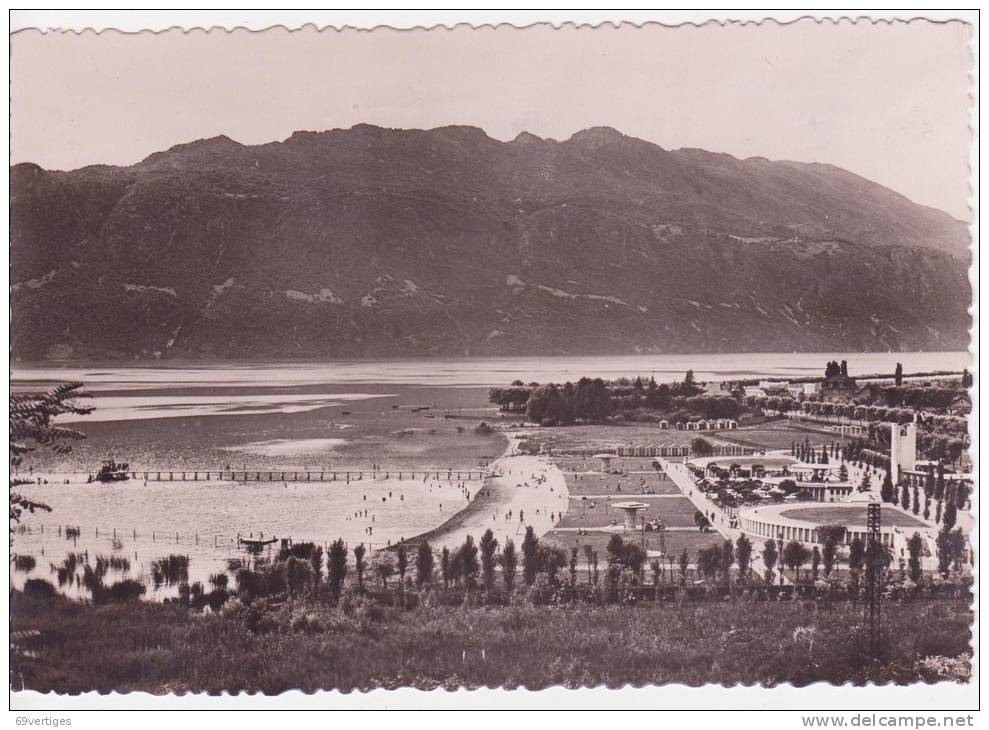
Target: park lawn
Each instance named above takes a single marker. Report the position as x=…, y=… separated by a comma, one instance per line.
x=675, y=542
x=848, y=515
x=588, y=484
x=674, y=511
x=776, y=435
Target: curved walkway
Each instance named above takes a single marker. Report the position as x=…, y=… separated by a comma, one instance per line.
x=527, y=486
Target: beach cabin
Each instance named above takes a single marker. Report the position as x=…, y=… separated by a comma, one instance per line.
x=679, y=425
x=664, y=424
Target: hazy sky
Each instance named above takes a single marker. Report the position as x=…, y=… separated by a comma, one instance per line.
x=889, y=102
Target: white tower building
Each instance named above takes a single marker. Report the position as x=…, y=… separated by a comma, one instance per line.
x=902, y=447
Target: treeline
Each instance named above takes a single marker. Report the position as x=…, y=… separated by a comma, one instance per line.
x=862, y=412
x=919, y=396
x=545, y=574
x=595, y=400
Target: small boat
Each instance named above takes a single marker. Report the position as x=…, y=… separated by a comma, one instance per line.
x=111, y=471
x=257, y=543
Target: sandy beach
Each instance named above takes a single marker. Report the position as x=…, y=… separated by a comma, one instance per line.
x=522, y=491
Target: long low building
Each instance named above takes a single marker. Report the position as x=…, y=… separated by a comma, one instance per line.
x=803, y=522
x=718, y=449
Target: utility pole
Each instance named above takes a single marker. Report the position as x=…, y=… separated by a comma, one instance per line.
x=873, y=578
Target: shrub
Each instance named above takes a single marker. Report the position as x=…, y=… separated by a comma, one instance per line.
x=24, y=563
x=124, y=590
x=38, y=588
x=171, y=570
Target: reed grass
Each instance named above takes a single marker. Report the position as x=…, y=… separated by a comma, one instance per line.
x=170, y=570
x=274, y=646
x=24, y=563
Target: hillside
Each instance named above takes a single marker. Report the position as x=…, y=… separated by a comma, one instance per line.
x=371, y=242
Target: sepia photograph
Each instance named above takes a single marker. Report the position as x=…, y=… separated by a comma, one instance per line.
x=492, y=355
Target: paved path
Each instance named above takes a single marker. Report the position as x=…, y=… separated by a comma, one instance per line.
x=680, y=474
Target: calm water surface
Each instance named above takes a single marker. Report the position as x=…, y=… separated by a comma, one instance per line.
x=337, y=415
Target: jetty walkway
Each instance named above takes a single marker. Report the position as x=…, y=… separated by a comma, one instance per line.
x=272, y=475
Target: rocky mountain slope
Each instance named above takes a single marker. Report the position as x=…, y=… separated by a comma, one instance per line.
x=371, y=242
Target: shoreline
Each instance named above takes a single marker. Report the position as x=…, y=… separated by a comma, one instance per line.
x=529, y=485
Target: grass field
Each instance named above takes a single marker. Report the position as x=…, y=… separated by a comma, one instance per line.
x=775, y=435
x=674, y=511
x=166, y=648
x=846, y=515
x=675, y=542
x=581, y=484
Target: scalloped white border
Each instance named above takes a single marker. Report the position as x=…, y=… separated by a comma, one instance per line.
x=821, y=697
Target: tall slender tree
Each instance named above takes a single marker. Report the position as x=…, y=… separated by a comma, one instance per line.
x=424, y=564
x=743, y=556
x=509, y=564
x=468, y=557
x=950, y=515
x=888, y=491
x=683, y=563
x=769, y=557
x=445, y=567
x=530, y=556
x=359, y=565
x=727, y=560
x=402, y=564
x=489, y=545
x=914, y=546
x=337, y=567
x=828, y=554
x=856, y=554
x=962, y=490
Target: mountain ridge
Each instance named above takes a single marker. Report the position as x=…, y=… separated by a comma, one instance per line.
x=375, y=242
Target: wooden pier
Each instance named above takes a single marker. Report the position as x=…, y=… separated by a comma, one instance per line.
x=325, y=475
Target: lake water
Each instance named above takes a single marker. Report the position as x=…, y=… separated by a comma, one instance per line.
x=145, y=522
x=486, y=372
x=343, y=415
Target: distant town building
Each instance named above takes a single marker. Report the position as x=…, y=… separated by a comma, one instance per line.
x=801, y=389
x=838, y=387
